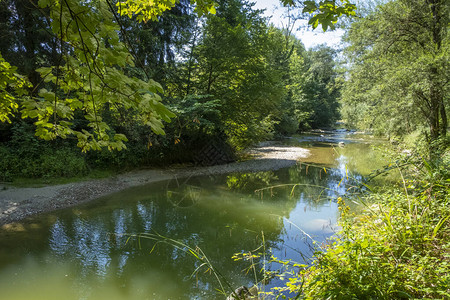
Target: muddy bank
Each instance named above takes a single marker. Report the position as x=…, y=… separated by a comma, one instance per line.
x=19, y=203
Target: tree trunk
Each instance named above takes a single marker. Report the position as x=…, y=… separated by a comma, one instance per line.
x=437, y=109
x=25, y=11
x=210, y=79
x=191, y=58
x=444, y=120
x=435, y=104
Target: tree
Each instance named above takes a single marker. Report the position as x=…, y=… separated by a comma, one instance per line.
x=88, y=75
x=315, y=88
x=86, y=66
x=289, y=59
x=157, y=45
x=399, y=68
x=235, y=63
x=27, y=41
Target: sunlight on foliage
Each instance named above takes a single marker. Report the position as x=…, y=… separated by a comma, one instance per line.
x=145, y=10
x=397, y=247
x=9, y=79
x=91, y=80
x=325, y=13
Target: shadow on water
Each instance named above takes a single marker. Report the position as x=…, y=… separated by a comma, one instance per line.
x=85, y=253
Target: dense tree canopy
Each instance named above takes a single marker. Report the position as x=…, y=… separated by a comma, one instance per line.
x=399, y=68
x=85, y=59
x=316, y=89
x=164, y=88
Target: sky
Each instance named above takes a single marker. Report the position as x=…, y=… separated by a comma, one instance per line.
x=309, y=37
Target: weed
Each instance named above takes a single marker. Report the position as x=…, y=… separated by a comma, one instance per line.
x=398, y=247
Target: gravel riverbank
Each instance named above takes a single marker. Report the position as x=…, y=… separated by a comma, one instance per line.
x=19, y=203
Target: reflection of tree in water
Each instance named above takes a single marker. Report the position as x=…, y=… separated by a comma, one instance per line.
x=220, y=222
x=183, y=192
x=250, y=181
x=314, y=184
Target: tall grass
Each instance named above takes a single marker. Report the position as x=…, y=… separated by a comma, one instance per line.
x=205, y=264
x=397, y=247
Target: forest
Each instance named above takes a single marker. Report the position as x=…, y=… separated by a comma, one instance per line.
x=152, y=92
x=95, y=88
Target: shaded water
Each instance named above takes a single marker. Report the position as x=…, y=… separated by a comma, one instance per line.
x=84, y=252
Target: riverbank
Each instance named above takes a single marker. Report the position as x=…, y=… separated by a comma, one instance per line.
x=397, y=247
x=18, y=203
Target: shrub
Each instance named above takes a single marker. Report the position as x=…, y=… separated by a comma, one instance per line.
x=398, y=247
x=24, y=156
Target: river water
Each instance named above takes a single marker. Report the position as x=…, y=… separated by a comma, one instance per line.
x=90, y=251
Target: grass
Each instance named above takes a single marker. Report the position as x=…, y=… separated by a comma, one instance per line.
x=388, y=252
x=396, y=247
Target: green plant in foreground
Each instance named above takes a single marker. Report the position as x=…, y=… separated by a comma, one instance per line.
x=388, y=252
x=397, y=248
x=195, y=252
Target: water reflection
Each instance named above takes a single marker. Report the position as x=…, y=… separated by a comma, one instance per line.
x=87, y=254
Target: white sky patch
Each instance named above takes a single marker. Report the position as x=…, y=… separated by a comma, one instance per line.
x=309, y=37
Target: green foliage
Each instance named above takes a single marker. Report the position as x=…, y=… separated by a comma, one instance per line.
x=90, y=80
x=234, y=60
x=24, y=156
x=388, y=253
x=150, y=10
x=397, y=247
x=315, y=88
x=87, y=73
x=325, y=13
x=328, y=12
x=398, y=77
x=225, y=76
x=287, y=58
x=160, y=44
x=197, y=114
x=11, y=86
x=86, y=69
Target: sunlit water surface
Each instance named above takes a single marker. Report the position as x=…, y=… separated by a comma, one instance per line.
x=85, y=252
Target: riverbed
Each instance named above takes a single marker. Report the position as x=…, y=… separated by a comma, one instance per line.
x=276, y=204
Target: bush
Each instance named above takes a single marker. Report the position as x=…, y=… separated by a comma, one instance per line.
x=24, y=156
x=62, y=163
x=398, y=247
x=52, y=163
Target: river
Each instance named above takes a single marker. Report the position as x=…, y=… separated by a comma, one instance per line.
x=90, y=251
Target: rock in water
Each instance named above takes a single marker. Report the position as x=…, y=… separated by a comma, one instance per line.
x=243, y=293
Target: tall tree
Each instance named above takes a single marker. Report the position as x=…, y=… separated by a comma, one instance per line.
x=86, y=74
x=399, y=68
x=316, y=89
x=73, y=56
x=155, y=45
x=26, y=38
x=233, y=62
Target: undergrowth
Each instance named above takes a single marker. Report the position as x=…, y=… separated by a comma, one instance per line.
x=397, y=247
